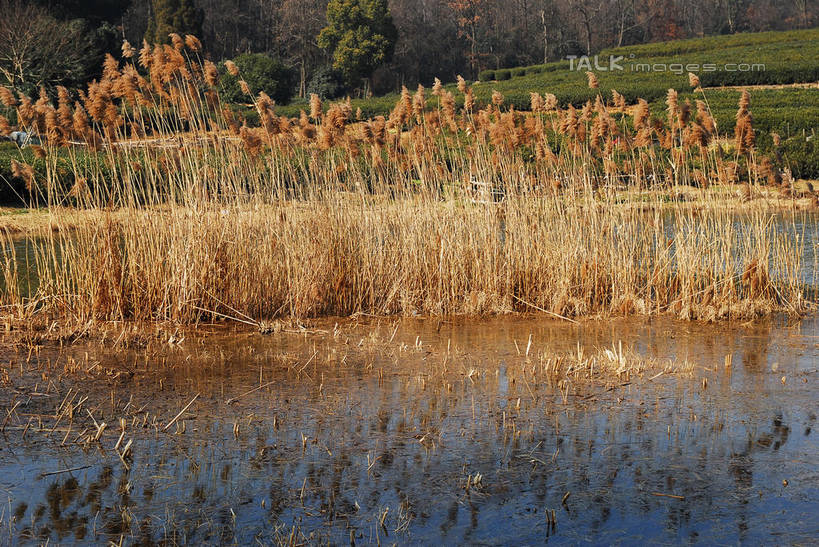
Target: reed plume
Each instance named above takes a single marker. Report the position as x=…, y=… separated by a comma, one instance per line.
x=461, y=84
x=110, y=68
x=419, y=103
x=698, y=136
x=26, y=115
x=641, y=115
x=744, y=135
x=469, y=101
x=315, y=106
x=176, y=40
x=193, y=43
x=537, y=104
x=7, y=97
x=211, y=74
x=672, y=107
x=406, y=100
x=128, y=50
x=232, y=68
x=146, y=56
x=618, y=100
x=448, y=107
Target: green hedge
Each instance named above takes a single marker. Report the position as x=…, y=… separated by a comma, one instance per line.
x=788, y=57
x=713, y=43
x=801, y=155
x=262, y=73
x=12, y=189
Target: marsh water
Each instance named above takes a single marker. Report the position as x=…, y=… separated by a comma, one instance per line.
x=415, y=432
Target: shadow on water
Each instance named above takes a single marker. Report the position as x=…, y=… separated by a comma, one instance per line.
x=25, y=258
x=422, y=432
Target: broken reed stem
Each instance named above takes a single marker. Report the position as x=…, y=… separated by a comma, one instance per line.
x=547, y=312
x=187, y=406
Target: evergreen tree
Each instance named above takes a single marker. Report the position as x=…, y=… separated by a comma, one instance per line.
x=94, y=11
x=173, y=16
x=262, y=73
x=361, y=36
x=94, y=23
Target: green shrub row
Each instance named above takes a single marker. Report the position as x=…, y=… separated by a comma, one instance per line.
x=716, y=43
x=12, y=189
x=801, y=155
x=742, y=59
x=518, y=72
x=770, y=76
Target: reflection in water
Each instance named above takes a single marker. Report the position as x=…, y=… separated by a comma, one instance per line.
x=441, y=436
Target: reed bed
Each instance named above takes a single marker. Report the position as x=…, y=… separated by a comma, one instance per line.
x=200, y=214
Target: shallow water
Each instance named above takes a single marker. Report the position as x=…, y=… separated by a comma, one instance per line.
x=372, y=435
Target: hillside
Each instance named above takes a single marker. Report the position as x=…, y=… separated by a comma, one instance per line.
x=767, y=58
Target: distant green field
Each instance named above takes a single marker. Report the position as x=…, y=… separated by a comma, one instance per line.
x=788, y=111
x=649, y=70
x=788, y=57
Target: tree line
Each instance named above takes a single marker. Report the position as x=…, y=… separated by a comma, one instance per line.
x=336, y=47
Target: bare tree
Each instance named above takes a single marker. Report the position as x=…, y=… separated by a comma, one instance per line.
x=300, y=21
x=471, y=17
x=588, y=10
x=38, y=50
x=803, y=8
x=447, y=37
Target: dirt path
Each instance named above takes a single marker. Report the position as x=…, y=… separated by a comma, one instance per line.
x=811, y=85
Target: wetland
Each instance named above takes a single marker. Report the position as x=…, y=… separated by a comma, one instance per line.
x=501, y=430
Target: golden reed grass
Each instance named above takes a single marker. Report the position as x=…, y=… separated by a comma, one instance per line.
x=431, y=210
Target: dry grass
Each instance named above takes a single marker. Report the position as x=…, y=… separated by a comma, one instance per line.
x=20, y=222
x=433, y=211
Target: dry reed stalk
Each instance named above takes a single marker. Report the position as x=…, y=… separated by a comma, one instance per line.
x=431, y=212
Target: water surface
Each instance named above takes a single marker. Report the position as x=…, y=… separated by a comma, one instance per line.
x=377, y=434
